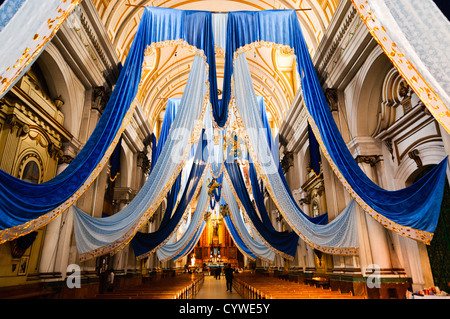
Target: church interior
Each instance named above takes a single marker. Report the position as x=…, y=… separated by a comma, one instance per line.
x=358, y=208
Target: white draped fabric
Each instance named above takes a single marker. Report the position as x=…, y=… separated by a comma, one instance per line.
x=97, y=236
x=170, y=250
x=415, y=35
x=253, y=243
x=184, y=252
x=340, y=236
x=228, y=223
x=219, y=22
x=26, y=27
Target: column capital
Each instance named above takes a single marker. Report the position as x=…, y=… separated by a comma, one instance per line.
x=372, y=160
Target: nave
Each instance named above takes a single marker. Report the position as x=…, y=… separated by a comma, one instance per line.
x=246, y=285
x=315, y=151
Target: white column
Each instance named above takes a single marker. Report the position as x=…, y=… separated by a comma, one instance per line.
x=56, y=247
x=377, y=233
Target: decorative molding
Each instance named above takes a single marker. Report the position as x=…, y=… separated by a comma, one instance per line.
x=415, y=155
x=332, y=99
x=100, y=98
x=287, y=161
x=143, y=162
x=65, y=159
x=372, y=160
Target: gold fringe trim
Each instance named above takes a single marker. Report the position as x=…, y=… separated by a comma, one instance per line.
x=62, y=12
x=423, y=90
x=32, y=225
x=347, y=251
x=119, y=244
x=406, y=231
x=233, y=221
x=194, y=197
x=238, y=201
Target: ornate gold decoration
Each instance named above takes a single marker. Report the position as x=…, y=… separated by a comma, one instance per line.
x=423, y=90
x=30, y=53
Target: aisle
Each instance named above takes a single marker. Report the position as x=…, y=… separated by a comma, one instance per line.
x=216, y=289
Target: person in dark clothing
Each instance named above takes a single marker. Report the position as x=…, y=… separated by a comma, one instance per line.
x=229, y=276
x=217, y=273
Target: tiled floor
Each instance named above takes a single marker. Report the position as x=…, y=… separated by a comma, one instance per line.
x=216, y=289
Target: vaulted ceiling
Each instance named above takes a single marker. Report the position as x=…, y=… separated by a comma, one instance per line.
x=167, y=69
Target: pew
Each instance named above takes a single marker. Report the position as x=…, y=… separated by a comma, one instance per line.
x=183, y=286
x=255, y=286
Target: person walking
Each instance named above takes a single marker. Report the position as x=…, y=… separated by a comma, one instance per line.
x=229, y=277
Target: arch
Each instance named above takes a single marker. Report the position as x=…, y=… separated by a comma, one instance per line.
x=365, y=103
x=431, y=153
x=121, y=20
x=60, y=83
x=27, y=157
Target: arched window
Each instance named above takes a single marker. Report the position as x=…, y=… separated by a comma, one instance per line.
x=31, y=172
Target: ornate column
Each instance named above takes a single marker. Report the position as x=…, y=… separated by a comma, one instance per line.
x=58, y=235
x=379, y=246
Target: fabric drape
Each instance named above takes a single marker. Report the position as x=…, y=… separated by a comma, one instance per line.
x=254, y=244
x=415, y=35
x=340, y=236
x=25, y=207
x=169, y=116
x=191, y=235
x=237, y=239
x=258, y=191
x=193, y=242
x=314, y=152
x=412, y=211
x=23, y=38
x=285, y=243
x=146, y=243
x=95, y=236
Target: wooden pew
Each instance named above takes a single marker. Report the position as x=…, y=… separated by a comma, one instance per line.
x=254, y=286
x=184, y=286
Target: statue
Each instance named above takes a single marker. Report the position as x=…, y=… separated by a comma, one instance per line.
x=213, y=188
x=224, y=210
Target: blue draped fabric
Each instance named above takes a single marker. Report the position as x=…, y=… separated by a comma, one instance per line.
x=99, y=236
x=184, y=252
x=237, y=238
x=319, y=220
x=22, y=202
x=114, y=161
x=8, y=9
x=284, y=242
x=169, y=116
x=190, y=232
x=144, y=243
x=413, y=208
x=314, y=152
x=253, y=243
x=171, y=201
